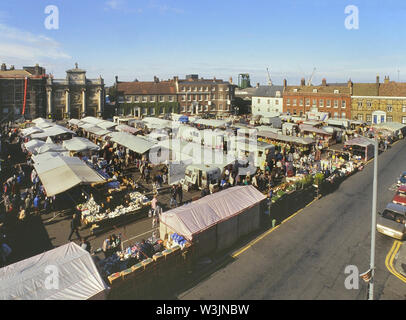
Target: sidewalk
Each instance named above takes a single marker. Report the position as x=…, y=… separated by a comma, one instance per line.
x=400, y=260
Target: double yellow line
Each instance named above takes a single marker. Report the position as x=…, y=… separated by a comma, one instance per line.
x=389, y=260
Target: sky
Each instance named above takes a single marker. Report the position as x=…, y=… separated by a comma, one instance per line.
x=135, y=39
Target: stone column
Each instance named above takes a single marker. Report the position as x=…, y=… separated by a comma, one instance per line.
x=67, y=104
x=100, y=103
x=49, y=102
x=83, y=111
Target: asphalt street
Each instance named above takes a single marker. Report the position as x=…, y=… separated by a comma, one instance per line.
x=305, y=258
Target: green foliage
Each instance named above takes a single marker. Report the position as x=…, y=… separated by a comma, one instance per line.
x=318, y=178
x=166, y=107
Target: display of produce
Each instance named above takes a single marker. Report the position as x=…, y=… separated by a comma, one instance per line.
x=92, y=212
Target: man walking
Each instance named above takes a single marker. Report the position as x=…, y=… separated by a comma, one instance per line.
x=74, y=227
x=180, y=193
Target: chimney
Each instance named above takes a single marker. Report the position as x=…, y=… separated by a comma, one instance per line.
x=377, y=79
x=349, y=83
x=324, y=82
x=176, y=78
x=3, y=67
x=231, y=80
x=214, y=79
x=386, y=79
x=302, y=82
x=285, y=83
x=12, y=67
x=116, y=79
x=257, y=84
x=156, y=79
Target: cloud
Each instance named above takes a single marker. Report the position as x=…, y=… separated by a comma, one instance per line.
x=113, y=4
x=26, y=46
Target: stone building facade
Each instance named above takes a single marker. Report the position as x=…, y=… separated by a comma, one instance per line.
x=19, y=84
x=75, y=96
x=388, y=97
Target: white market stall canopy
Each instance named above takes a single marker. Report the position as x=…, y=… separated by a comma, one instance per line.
x=63, y=173
x=200, y=215
x=126, y=128
x=285, y=138
x=48, y=156
x=96, y=130
x=78, y=278
x=51, y=132
x=212, y=122
x=32, y=145
x=92, y=120
x=391, y=126
x=107, y=125
x=79, y=144
x=50, y=147
x=74, y=121
x=30, y=130
x=134, y=143
x=41, y=120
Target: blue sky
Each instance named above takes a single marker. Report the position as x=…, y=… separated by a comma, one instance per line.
x=221, y=38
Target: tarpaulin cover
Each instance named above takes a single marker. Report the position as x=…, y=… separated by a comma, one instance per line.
x=78, y=278
x=92, y=120
x=126, y=128
x=359, y=141
x=79, y=144
x=191, y=219
x=63, y=173
x=30, y=130
x=309, y=128
x=32, y=145
x=134, y=143
x=48, y=155
x=107, y=124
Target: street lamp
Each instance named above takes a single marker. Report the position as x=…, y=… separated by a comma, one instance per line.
x=373, y=222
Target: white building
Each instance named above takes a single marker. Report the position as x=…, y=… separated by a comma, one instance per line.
x=267, y=101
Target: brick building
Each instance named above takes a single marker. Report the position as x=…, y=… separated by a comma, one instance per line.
x=17, y=85
x=335, y=99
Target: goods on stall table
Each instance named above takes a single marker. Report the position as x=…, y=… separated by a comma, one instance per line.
x=89, y=208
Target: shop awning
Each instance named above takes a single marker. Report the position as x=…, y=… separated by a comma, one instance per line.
x=285, y=138
x=63, y=173
x=134, y=143
x=79, y=144
x=309, y=128
x=359, y=141
x=77, y=275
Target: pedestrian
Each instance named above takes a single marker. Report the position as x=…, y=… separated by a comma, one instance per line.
x=180, y=193
x=173, y=197
x=74, y=227
x=84, y=244
x=154, y=205
x=36, y=204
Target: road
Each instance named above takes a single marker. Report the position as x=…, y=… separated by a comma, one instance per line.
x=305, y=258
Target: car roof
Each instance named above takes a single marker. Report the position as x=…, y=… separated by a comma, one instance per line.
x=396, y=208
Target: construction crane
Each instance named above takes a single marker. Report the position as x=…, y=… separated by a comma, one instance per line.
x=269, y=78
x=309, y=83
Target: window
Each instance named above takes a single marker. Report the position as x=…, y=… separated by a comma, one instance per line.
x=200, y=97
x=336, y=91
x=144, y=99
x=206, y=97
x=368, y=118
x=321, y=103
x=207, y=89
x=161, y=98
x=336, y=115
x=277, y=102
x=201, y=89
x=359, y=117
x=369, y=104
x=189, y=97
x=213, y=89
x=343, y=115
x=389, y=108
x=183, y=89
x=152, y=98
x=389, y=119
x=328, y=103
x=189, y=89
x=295, y=90
x=404, y=120
x=403, y=108
x=294, y=102
x=206, y=108
x=335, y=103
x=183, y=109
x=359, y=104
x=170, y=98
x=294, y=111
x=314, y=102
x=151, y=111
x=343, y=104
x=315, y=90
x=307, y=102
x=269, y=101
x=220, y=106
x=213, y=97
x=144, y=111
x=194, y=97
x=183, y=97
x=194, y=89
x=301, y=102
x=289, y=111
x=288, y=102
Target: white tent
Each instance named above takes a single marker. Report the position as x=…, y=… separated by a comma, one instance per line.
x=46, y=156
x=51, y=132
x=32, y=145
x=63, y=173
x=79, y=144
x=107, y=125
x=40, y=120
x=30, y=130
x=49, y=147
x=134, y=143
x=126, y=128
x=74, y=121
x=92, y=120
x=73, y=267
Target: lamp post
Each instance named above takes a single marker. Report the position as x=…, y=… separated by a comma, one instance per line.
x=373, y=223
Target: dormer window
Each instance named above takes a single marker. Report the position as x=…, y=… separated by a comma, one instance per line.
x=336, y=91
x=314, y=90
x=295, y=90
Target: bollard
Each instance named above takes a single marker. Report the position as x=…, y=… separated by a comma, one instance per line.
x=273, y=223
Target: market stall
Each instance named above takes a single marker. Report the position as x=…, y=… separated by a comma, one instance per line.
x=60, y=174
x=78, y=144
x=361, y=147
x=77, y=275
x=215, y=222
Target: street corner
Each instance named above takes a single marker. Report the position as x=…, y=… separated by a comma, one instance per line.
x=396, y=260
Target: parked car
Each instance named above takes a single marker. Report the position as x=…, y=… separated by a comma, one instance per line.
x=392, y=220
x=400, y=196
x=402, y=179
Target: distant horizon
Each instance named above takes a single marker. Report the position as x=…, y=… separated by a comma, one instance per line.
x=167, y=38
